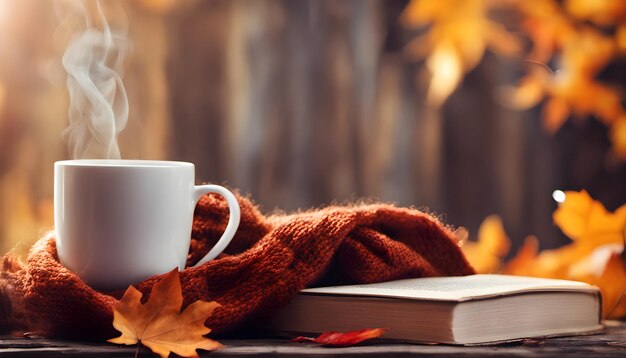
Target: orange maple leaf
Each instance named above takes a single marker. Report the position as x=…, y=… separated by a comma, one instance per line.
x=593, y=255
x=457, y=33
x=556, y=27
x=601, y=12
x=618, y=137
x=486, y=254
x=159, y=324
x=587, y=222
x=604, y=268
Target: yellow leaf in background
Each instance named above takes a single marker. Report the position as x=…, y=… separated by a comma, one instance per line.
x=602, y=12
x=555, y=113
x=618, y=137
x=419, y=13
x=529, y=91
x=583, y=50
x=546, y=25
x=446, y=69
x=554, y=263
x=522, y=263
x=588, y=51
x=598, y=238
x=159, y=324
x=620, y=37
x=456, y=34
x=612, y=283
x=594, y=263
x=587, y=221
x=486, y=254
x=575, y=86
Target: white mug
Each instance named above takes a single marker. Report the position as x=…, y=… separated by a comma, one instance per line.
x=119, y=222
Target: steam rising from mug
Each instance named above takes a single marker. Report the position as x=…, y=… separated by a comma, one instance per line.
x=98, y=109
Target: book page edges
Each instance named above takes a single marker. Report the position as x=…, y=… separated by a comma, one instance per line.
x=445, y=296
x=454, y=288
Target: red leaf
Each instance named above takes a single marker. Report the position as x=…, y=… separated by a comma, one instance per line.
x=341, y=339
x=303, y=339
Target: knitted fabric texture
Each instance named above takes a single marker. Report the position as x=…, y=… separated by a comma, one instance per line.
x=269, y=260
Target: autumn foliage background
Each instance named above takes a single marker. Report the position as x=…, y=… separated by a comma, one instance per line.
x=472, y=108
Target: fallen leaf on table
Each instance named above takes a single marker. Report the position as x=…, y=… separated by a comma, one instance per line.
x=486, y=254
x=343, y=339
x=159, y=324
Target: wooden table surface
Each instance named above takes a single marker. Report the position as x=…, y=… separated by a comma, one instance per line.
x=610, y=343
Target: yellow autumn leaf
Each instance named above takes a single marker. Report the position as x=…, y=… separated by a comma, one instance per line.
x=618, y=137
x=555, y=263
x=601, y=12
x=612, y=282
x=546, y=25
x=159, y=324
x=555, y=113
x=528, y=92
x=486, y=254
x=620, y=37
x=563, y=34
x=587, y=221
x=601, y=267
x=456, y=35
x=574, y=88
x=522, y=263
x=598, y=238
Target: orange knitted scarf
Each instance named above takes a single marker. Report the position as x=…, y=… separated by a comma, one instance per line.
x=270, y=259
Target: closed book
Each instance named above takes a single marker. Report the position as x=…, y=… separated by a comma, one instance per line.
x=467, y=310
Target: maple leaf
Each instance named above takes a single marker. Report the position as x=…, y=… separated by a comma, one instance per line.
x=159, y=324
x=618, y=137
x=620, y=37
x=555, y=263
x=587, y=221
x=573, y=88
x=601, y=267
x=457, y=33
x=584, y=50
x=593, y=256
x=546, y=25
x=486, y=254
x=343, y=339
x=605, y=269
x=520, y=264
x=601, y=12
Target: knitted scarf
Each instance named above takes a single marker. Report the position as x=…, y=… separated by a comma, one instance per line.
x=268, y=261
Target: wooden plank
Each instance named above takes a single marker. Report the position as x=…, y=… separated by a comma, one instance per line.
x=611, y=343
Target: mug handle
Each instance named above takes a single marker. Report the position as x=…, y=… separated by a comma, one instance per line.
x=233, y=220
